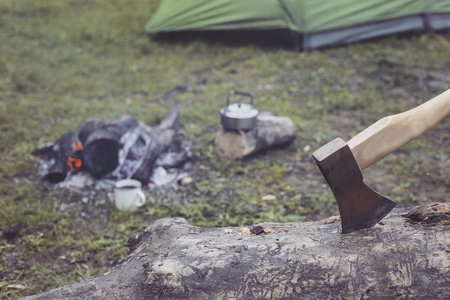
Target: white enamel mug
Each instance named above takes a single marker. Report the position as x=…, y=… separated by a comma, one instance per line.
x=128, y=194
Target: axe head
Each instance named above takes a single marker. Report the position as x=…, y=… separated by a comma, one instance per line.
x=359, y=206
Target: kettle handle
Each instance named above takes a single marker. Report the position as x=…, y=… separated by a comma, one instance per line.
x=241, y=94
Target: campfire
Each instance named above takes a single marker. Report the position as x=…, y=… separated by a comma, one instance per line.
x=114, y=150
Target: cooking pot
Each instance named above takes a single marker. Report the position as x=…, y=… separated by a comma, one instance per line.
x=239, y=116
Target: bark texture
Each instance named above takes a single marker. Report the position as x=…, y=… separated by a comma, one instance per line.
x=404, y=257
x=270, y=131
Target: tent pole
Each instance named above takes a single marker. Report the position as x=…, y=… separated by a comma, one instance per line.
x=296, y=40
x=427, y=23
x=306, y=42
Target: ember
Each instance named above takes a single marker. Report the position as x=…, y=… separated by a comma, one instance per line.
x=73, y=162
x=120, y=149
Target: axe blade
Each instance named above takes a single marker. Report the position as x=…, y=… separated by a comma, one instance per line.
x=357, y=215
x=359, y=206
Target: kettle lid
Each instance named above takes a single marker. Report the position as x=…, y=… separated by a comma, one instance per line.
x=239, y=110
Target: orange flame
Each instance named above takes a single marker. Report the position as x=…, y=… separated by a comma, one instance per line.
x=77, y=145
x=75, y=163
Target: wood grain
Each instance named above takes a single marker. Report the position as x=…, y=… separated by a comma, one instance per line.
x=392, y=132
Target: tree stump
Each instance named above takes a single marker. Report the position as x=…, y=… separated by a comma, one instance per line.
x=270, y=131
x=404, y=257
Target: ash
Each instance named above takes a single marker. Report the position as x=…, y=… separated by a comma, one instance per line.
x=169, y=169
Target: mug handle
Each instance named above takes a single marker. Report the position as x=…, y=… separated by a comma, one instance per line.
x=140, y=199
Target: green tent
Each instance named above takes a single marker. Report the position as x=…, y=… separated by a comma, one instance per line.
x=319, y=22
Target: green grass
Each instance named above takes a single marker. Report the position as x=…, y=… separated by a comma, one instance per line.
x=62, y=62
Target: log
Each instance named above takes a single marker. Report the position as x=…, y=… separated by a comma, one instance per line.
x=56, y=153
x=101, y=142
x=101, y=147
x=270, y=131
x=161, y=138
x=405, y=257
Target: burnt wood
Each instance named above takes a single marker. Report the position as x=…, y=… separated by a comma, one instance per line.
x=59, y=153
x=98, y=143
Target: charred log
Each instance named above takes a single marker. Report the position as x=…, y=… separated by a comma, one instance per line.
x=100, y=157
x=161, y=142
x=125, y=148
x=91, y=128
x=171, y=121
x=57, y=153
x=100, y=140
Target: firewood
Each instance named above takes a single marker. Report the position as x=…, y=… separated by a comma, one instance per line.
x=57, y=153
x=100, y=147
x=270, y=131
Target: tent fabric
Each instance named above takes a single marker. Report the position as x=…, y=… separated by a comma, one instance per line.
x=182, y=15
x=363, y=31
x=322, y=22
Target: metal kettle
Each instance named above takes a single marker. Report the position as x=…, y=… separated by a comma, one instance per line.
x=239, y=116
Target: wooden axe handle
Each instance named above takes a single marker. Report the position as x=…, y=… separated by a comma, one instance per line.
x=392, y=132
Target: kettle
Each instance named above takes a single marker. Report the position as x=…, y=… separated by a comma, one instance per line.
x=239, y=116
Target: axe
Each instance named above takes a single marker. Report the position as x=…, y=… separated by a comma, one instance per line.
x=341, y=163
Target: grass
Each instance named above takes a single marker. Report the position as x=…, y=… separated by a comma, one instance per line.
x=62, y=62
